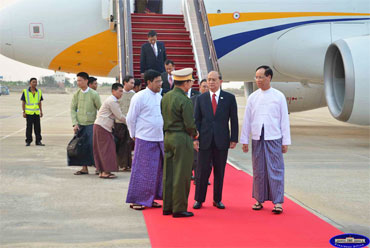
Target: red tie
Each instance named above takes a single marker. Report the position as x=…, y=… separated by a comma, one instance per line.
x=214, y=103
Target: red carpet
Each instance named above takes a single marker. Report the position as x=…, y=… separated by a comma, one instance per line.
x=238, y=225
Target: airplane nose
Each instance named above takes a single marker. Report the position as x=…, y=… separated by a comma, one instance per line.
x=6, y=36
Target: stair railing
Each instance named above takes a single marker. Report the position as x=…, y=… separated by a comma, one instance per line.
x=124, y=39
x=120, y=40
x=128, y=38
x=188, y=21
x=207, y=33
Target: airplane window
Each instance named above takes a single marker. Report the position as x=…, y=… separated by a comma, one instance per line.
x=36, y=29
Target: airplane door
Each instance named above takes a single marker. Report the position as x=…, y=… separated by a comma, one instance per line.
x=6, y=43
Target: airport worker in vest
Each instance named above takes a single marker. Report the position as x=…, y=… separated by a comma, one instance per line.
x=85, y=104
x=32, y=111
x=179, y=128
x=266, y=120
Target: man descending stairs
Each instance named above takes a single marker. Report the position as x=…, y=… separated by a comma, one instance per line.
x=171, y=31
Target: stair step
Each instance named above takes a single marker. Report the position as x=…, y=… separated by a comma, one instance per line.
x=171, y=55
x=154, y=26
x=162, y=36
x=160, y=31
x=137, y=70
x=179, y=66
x=157, y=20
x=175, y=59
x=137, y=74
x=169, y=16
x=172, y=46
x=167, y=43
x=169, y=50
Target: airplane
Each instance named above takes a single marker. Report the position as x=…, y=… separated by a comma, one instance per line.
x=319, y=49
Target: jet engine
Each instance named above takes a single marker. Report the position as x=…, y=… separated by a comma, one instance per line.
x=299, y=96
x=347, y=79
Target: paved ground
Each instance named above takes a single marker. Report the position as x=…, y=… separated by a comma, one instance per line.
x=43, y=205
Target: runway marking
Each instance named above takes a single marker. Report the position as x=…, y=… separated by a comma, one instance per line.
x=20, y=130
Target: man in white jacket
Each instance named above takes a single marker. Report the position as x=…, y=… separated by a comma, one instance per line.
x=266, y=119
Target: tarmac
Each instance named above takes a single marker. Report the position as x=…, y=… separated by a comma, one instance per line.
x=42, y=204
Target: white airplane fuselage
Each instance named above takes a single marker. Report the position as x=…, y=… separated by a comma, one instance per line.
x=292, y=36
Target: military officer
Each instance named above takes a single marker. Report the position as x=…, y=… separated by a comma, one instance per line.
x=179, y=127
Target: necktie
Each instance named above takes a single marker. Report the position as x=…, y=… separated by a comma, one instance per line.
x=155, y=52
x=214, y=103
x=170, y=80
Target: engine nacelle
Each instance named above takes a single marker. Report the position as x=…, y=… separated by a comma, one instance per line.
x=347, y=79
x=299, y=96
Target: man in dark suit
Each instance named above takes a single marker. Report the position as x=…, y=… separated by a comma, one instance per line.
x=167, y=77
x=213, y=111
x=153, y=54
x=192, y=93
x=203, y=87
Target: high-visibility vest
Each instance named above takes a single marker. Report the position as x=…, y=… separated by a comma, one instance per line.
x=32, y=102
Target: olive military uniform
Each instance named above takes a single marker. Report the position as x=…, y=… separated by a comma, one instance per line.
x=179, y=127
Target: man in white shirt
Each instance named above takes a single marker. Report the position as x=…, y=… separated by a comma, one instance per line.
x=266, y=119
x=145, y=124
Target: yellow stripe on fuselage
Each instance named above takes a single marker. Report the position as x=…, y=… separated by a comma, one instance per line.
x=228, y=18
x=96, y=55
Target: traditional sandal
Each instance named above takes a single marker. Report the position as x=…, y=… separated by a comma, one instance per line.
x=137, y=207
x=109, y=176
x=257, y=206
x=77, y=173
x=156, y=205
x=277, y=210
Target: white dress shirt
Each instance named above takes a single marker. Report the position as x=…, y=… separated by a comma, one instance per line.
x=189, y=93
x=155, y=49
x=85, y=91
x=144, y=118
x=217, y=94
x=268, y=109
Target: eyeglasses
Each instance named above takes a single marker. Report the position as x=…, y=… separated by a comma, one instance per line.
x=257, y=78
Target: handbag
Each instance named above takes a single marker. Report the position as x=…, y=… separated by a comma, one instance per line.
x=76, y=145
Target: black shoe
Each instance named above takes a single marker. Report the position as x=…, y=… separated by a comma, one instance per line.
x=167, y=212
x=182, y=214
x=219, y=205
x=197, y=205
x=40, y=144
x=28, y=144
